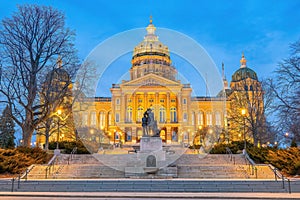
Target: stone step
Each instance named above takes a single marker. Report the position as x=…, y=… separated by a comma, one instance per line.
x=150, y=185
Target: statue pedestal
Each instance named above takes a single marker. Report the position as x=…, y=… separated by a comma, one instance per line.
x=151, y=160
x=148, y=144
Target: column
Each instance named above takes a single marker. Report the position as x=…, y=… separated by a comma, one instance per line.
x=156, y=106
x=123, y=108
x=168, y=135
x=179, y=119
x=168, y=108
x=134, y=108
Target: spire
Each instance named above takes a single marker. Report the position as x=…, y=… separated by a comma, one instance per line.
x=151, y=28
x=243, y=61
x=59, y=62
x=223, y=73
x=225, y=82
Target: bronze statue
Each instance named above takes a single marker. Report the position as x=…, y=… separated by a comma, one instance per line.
x=149, y=124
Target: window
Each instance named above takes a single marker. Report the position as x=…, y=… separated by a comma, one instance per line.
x=185, y=135
x=162, y=114
x=193, y=118
x=151, y=100
x=200, y=118
x=128, y=136
x=129, y=100
x=185, y=117
x=140, y=114
x=173, y=100
x=85, y=119
x=102, y=119
x=184, y=101
x=117, y=117
x=118, y=101
x=173, y=114
x=109, y=118
x=162, y=101
x=93, y=118
x=218, y=118
x=129, y=114
x=209, y=119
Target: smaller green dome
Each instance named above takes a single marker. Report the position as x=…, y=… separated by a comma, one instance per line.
x=244, y=73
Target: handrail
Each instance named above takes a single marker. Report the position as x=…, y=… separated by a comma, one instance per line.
x=50, y=166
x=74, y=151
x=229, y=152
x=252, y=164
x=19, y=177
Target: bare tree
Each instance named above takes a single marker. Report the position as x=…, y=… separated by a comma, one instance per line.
x=250, y=98
x=286, y=89
x=31, y=41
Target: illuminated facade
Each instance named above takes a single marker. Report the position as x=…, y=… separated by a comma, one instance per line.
x=153, y=84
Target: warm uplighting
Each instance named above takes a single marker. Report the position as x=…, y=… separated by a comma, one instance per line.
x=245, y=143
x=59, y=111
x=286, y=134
x=243, y=111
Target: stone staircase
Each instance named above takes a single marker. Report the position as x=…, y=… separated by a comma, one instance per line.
x=211, y=166
x=151, y=185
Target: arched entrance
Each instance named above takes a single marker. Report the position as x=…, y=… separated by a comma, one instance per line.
x=163, y=134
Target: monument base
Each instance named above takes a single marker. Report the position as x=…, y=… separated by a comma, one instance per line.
x=148, y=144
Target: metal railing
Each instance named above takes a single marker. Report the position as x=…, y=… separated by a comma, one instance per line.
x=277, y=174
x=230, y=155
x=19, y=177
x=50, y=166
x=251, y=164
x=73, y=152
x=284, y=180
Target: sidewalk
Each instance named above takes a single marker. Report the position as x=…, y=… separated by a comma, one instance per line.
x=152, y=195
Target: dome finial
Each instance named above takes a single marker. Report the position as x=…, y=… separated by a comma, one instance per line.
x=243, y=61
x=151, y=28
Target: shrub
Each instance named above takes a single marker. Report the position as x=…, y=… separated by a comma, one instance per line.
x=15, y=161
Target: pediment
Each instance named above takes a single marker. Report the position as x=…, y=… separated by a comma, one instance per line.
x=151, y=80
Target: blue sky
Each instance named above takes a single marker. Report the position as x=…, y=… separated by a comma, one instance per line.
x=263, y=30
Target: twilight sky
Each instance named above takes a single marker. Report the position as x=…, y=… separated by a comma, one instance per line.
x=263, y=30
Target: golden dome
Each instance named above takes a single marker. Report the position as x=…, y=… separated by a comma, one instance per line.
x=151, y=49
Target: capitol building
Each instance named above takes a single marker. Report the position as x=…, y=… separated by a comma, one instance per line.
x=182, y=118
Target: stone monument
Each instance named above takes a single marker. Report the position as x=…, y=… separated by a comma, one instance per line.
x=151, y=157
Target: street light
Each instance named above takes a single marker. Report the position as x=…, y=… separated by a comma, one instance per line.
x=59, y=112
x=243, y=114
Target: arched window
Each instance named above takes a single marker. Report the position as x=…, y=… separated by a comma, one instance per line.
x=129, y=114
x=93, y=118
x=193, y=118
x=218, y=118
x=85, y=119
x=209, y=119
x=173, y=114
x=200, y=118
x=140, y=113
x=162, y=114
x=102, y=119
x=185, y=117
x=117, y=117
x=109, y=118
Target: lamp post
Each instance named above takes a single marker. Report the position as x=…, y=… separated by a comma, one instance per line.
x=58, y=113
x=243, y=114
